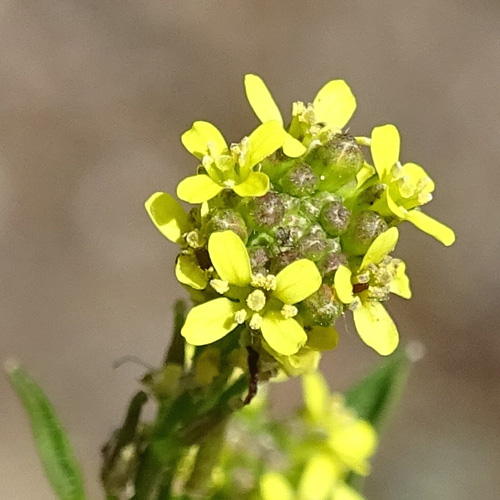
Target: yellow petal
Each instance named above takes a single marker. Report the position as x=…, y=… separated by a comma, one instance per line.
x=344, y=492
x=188, y=272
x=343, y=285
x=375, y=327
x=384, y=147
x=274, y=486
x=383, y=245
x=197, y=189
x=285, y=336
x=210, y=321
x=167, y=215
x=322, y=338
x=293, y=147
x=264, y=141
x=416, y=177
x=256, y=184
x=334, y=104
x=230, y=258
x=318, y=478
x=400, y=285
x=297, y=281
x=202, y=134
x=303, y=361
x=431, y=226
x=366, y=172
x=317, y=398
x=355, y=443
x=261, y=100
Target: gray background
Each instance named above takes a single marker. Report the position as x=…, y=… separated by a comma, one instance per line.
x=93, y=98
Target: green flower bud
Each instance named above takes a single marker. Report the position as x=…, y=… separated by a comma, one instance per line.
x=311, y=206
x=371, y=194
x=227, y=219
x=335, y=218
x=284, y=258
x=337, y=162
x=364, y=228
x=300, y=180
x=265, y=211
x=313, y=245
x=330, y=262
x=291, y=230
x=321, y=308
x=259, y=259
x=291, y=203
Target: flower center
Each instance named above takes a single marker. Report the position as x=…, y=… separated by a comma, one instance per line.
x=256, y=300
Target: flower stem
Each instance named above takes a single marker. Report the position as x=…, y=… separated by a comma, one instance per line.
x=206, y=460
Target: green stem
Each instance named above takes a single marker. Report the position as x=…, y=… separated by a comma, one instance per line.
x=206, y=459
x=175, y=353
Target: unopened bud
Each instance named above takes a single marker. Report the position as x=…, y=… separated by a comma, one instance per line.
x=228, y=220
x=330, y=263
x=283, y=259
x=264, y=212
x=321, y=308
x=339, y=160
x=335, y=218
x=259, y=259
x=364, y=228
x=300, y=180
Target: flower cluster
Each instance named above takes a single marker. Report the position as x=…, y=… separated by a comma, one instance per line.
x=292, y=227
x=310, y=456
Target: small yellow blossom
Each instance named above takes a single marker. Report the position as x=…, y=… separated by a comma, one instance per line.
x=228, y=167
x=213, y=320
x=373, y=323
x=407, y=186
x=330, y=110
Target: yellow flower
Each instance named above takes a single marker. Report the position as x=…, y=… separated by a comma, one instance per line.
x=256, y=300
x=228, y=167
x=406, y=186
x=331, y=109
x=350, y=441
x=373, y=323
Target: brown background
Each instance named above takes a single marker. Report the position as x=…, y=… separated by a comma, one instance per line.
x=93, y=98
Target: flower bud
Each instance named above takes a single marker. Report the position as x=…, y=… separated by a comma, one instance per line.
x=300, y=180
x=227, y=219
x=335, y=218
x=337, y=162
x=321, y=308
x=364, y=228
x=330, y=262
x=265, y=212
x=283, y=259
x=311, y=206
x=313, y=245
x=259, y=259
x=292, y=228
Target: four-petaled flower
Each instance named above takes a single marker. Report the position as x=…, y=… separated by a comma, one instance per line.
x=265, y=303
x=373, y=323
x=331, y=109
x=406, y=186
x=226, y=167
x=337, y=443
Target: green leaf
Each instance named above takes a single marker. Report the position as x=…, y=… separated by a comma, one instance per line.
x=375, y=396
x=61, y=467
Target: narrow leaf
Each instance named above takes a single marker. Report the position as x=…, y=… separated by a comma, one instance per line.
x=59, y=462
x=376, y=395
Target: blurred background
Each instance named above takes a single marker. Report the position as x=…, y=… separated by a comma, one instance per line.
x=93, y=97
